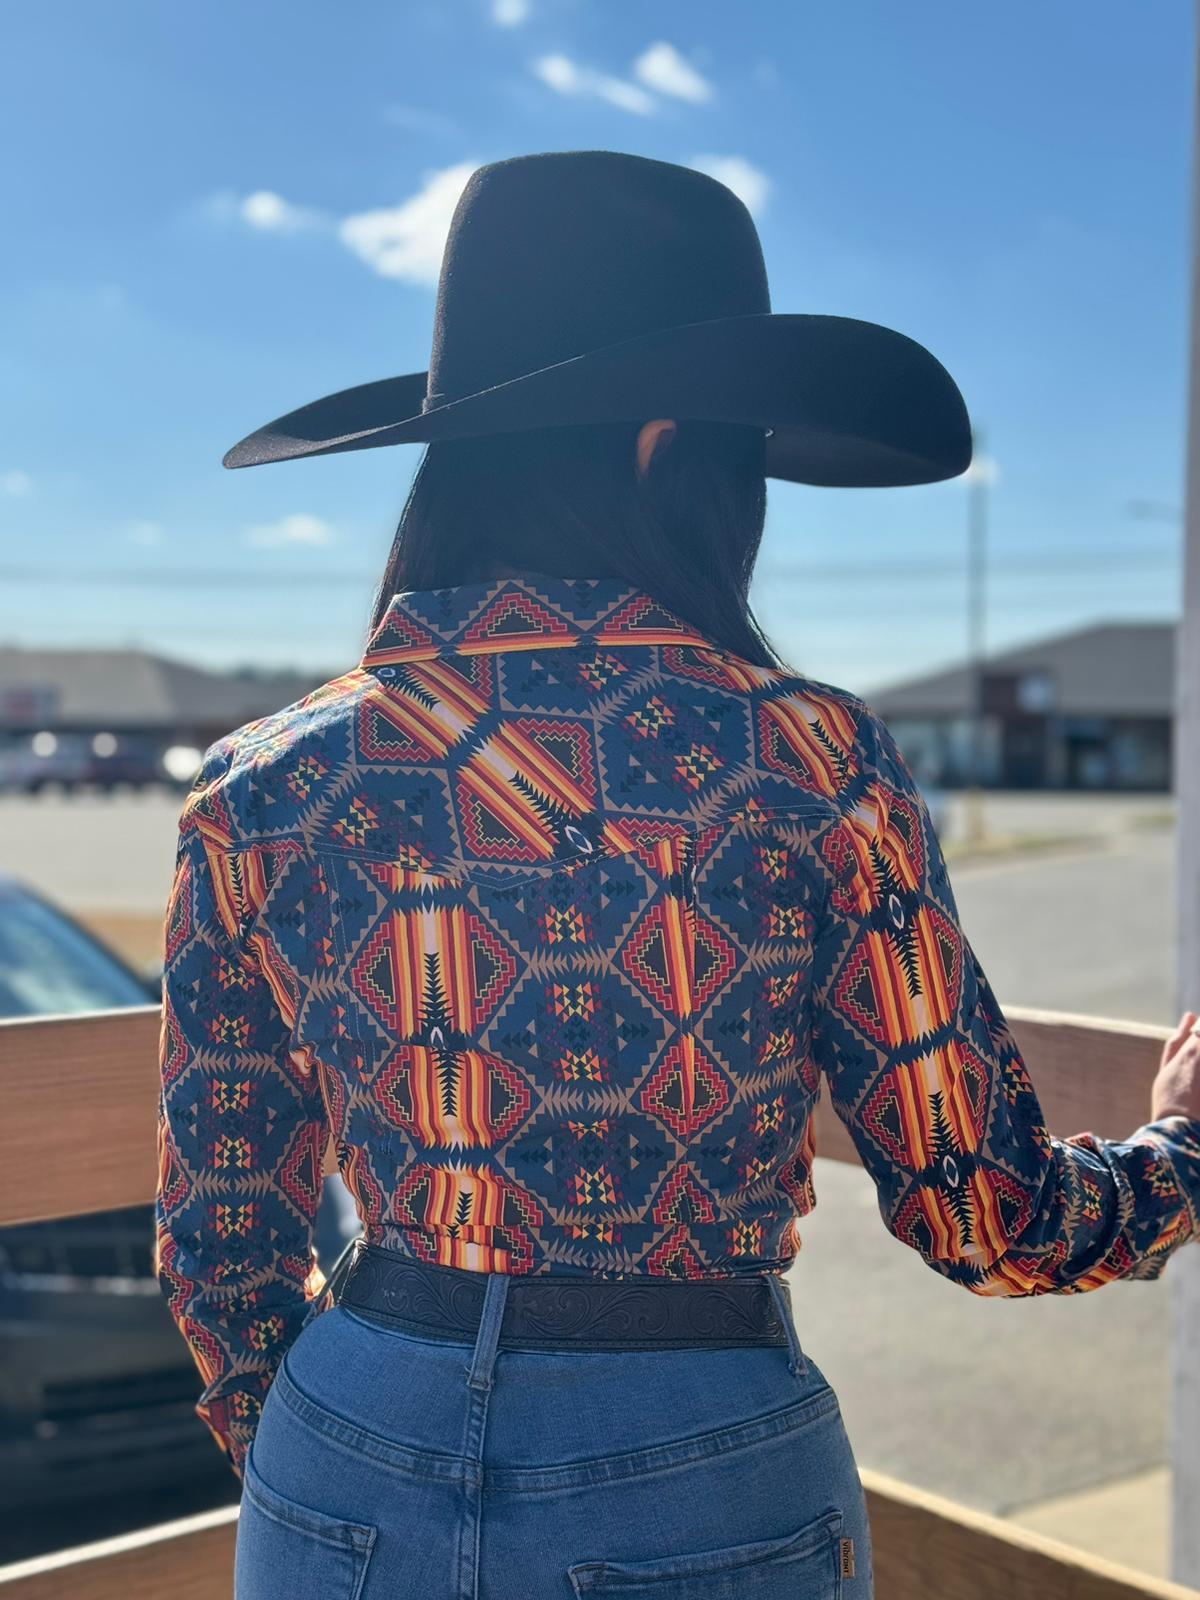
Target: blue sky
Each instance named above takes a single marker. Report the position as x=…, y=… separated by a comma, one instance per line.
x=218, y=212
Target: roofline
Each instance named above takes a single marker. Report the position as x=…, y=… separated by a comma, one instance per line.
x=962, y=664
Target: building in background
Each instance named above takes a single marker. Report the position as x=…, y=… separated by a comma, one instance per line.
x=106, y=717
x=1090, y=709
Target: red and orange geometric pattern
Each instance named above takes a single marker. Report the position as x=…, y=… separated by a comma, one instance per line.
x=551, y=915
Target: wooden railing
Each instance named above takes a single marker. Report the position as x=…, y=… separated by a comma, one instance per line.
x=95, y=1079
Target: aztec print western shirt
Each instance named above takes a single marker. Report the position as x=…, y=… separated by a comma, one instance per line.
x=551, y=915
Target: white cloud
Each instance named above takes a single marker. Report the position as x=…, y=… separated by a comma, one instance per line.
x=560, y=73
x=271, y=213
x=566, y=77
x=407, y=241
x=418, y=120
x=404, y=241
x=626, y=95
x=16, y=483
x=661, y=67
x=510, y=13
x=146, y=533
x=264, y=211
x=751, y=185
x=299, y=528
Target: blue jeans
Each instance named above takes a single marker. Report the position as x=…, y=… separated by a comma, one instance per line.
x=393, y=1465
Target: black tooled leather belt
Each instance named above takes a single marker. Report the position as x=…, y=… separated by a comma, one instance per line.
x=542, y=1310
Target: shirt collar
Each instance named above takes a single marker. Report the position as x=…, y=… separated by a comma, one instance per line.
x=536, y=611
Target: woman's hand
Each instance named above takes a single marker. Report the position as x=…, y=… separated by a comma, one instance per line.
x=1176, y=1087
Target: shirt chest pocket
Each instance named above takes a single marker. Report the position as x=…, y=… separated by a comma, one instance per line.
x=562, y=964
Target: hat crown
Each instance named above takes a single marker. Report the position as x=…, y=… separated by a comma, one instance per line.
x=551, y=255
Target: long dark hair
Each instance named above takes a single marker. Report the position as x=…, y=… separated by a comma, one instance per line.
x=568, y=501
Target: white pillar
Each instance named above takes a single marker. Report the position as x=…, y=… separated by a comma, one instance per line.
x=1183, y=1272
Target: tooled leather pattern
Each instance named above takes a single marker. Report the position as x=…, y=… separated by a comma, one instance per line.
x=542, y=1308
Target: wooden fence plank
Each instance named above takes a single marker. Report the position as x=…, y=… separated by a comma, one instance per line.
x=1091, y=1075
x=81, y=1104
x=93, y=1081
x=191, y=1559
x=923, y=1546
x=927, y=1547
x=81, y=1097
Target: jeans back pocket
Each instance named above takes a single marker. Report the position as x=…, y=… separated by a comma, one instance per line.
x=803, y=1565
x=286, y=1551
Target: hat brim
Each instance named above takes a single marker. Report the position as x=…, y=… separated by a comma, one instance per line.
x=851, y=404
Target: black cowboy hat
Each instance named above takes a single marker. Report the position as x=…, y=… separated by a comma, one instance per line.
x=592, y=286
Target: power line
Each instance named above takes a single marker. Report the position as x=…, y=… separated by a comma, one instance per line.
x=1017, y=565
x=1040, y=561
x=194, y=577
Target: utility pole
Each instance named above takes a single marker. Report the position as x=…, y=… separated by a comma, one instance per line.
x=1183, y=1272
x=977, y=506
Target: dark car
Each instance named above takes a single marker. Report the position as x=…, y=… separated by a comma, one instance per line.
x=97, y=1388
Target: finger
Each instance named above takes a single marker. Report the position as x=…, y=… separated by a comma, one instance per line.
x=1186, y=1030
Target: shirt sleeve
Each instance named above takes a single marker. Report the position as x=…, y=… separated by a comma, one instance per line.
x=924, y=1072
x=242, y=1131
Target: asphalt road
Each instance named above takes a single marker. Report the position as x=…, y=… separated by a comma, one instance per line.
x=93, y=852
x=1091, y=930
x=995, y=1403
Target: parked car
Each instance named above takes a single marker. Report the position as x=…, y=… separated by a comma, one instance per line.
x=32, y=763
x=51, y=964
x=97, y=1388
x=29, y=765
